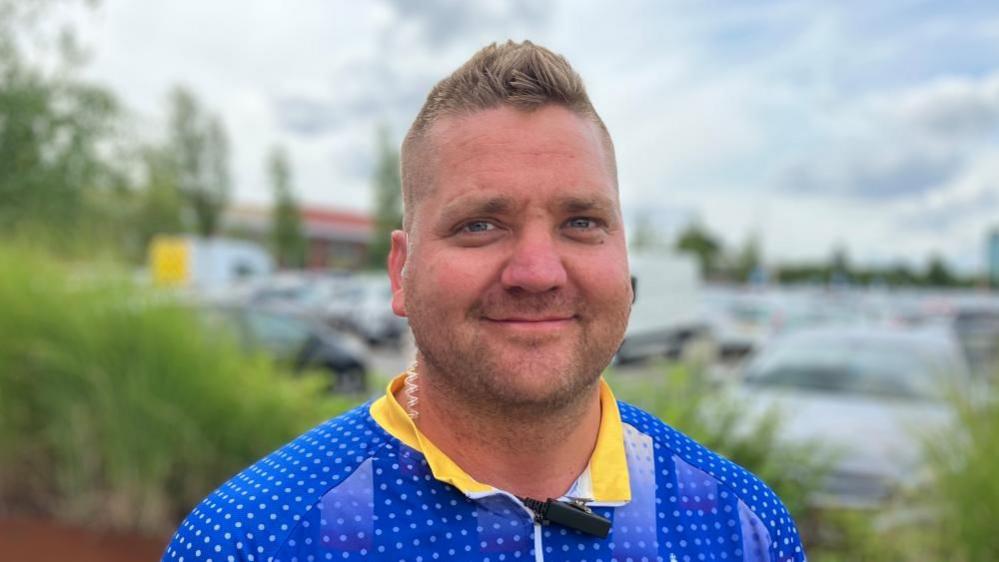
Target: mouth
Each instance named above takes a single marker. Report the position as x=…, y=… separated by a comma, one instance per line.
x=532, y=323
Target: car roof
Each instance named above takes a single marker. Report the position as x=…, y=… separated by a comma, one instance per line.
x=925, y=336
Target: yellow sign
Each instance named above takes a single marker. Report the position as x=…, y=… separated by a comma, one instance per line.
x=170, y=260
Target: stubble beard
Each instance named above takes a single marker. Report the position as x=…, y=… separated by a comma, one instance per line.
x=500, y=375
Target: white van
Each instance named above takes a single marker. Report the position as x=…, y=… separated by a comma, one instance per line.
x=666, y=313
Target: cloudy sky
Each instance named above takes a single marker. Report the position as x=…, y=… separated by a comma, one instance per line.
x=869, y=125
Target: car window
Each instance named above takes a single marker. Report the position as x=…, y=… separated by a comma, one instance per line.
x=274, y=329
x=880, y=369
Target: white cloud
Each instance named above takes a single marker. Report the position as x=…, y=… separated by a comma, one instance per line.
x=869, y=116
x=952, y=107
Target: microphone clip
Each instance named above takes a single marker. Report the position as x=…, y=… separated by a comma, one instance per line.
x=574, y=514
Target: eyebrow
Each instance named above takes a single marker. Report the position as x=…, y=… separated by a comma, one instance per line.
x=475, y=206
x=573, y=205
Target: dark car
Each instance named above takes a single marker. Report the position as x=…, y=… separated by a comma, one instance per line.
x=297, y=342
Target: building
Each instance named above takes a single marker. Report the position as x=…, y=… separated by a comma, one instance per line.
x=335, y=238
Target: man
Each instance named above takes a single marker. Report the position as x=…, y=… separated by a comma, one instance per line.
x=502, y=442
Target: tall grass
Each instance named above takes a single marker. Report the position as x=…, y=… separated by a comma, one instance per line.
x=967, y=478
x=119, y=408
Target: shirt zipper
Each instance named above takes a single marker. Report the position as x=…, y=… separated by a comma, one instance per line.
x=539, y=553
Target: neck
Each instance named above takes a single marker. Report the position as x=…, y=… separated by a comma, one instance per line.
x=537, y=455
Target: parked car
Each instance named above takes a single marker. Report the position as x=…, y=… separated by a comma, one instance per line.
x=298, y=343
x=870, y=395
x=299, y=293
x=363, y=305
x=978, y=331
x=285, y=290
x=742, y=321
x=739, y=322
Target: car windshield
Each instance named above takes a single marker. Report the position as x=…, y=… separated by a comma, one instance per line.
x=277, y=329
x=854, y=366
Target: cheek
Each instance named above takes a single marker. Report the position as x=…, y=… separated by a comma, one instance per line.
x=605, y=281
x=453, y=281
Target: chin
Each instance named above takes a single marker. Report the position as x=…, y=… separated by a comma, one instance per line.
x=528, y=373
x=541, y=383
x=532, y=400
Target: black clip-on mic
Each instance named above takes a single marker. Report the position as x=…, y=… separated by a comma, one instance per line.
x=574, y=514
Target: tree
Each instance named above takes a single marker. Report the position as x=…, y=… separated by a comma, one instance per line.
x=52, y=127
x=938, y=274
x=287, y=237
x=160, y=205
x=387, y=185
x=200, y=148
x=840, y=270
x=697, y=240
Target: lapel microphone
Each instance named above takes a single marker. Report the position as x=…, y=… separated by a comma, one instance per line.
x=574, y=514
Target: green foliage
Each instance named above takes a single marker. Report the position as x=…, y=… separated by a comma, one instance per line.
x=718, y=263
x=65, y=179
x=938, y=274
x=697, y=240
x=857, y=536
x=287, y=237
x=53, y=128
x=387, y=185
x=118, y=408
x=199, y=148
x=159, y=207
x=966, y=466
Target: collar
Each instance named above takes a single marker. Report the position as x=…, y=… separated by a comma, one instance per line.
x=608, y=468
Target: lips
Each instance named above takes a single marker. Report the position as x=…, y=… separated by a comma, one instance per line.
x=536, y=325
x=532, y=319
x=545, y=311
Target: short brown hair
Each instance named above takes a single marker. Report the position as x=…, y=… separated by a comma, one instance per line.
x=523, y=75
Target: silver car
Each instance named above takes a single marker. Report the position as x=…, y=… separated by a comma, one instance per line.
x=869, y=395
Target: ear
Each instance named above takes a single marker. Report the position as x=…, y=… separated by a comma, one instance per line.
x=396, y=263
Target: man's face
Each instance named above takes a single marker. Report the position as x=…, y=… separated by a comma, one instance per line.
x=514, y=273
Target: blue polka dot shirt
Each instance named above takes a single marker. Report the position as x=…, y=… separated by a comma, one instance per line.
x=360, y=487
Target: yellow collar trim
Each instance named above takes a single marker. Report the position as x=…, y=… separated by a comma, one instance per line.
x=608, y=465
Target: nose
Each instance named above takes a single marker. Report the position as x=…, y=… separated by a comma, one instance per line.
x=535, y=265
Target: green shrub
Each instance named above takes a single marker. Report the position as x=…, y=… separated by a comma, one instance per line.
x=118, y=407
x=967, y=476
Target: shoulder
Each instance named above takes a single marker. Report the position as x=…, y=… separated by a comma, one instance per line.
x=692, y=465
x=250, y=515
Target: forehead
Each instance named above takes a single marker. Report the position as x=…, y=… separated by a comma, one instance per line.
x=546, y=151
x=548, y=135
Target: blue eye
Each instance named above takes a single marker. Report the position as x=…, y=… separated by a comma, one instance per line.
x=582, y=222
x=478, y=226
